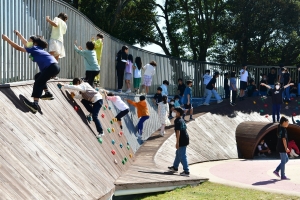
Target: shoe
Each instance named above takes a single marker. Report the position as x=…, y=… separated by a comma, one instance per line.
x=284, y=178
x=220, y=101
x=138, y=91
x=120, y=91
x=100, y=135
x=184, y=173
x=162, y=134
x=47, y=96
x=56, y=78
x=31, y=105
x=276, y=174
x=128, y=91
x=205, y=104
x=192, y=119
x=172, y=169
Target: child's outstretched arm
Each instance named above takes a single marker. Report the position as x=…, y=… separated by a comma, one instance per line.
x=131, y=102
x=23, y=40
x=14, y=45
x=52, y=23
x=263, y=84
x=287, y=85
x=78, y=49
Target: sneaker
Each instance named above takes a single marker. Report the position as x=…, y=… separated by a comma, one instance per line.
x=120, y=91
x=184, y=173
x=232, y=104
x=205, y=104
x=220, y=101
x=56, y=78
x=100, y=135
x=192, y=119
x=276, y=174
x=284, y=178
x=172, y=169
x=162, y=134
x=47, y=96
x=128, y=91
x=31, y=105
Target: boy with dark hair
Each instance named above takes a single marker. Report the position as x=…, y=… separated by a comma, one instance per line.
x=157, y=98
x=180, y=89
x=226, y=86
x=91, y=99
x=182, y=140
x=90, y=61
x=142, y=112
x=187, y=99
x=211, y=89
x=164, y=88
x=252, y=90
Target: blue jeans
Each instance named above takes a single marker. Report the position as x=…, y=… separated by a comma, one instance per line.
x=209, y=93
x=286, y=93
x=276, y=111
x=95, y=109
x=141, y=123
x=255, y=94
x=284, y=159
x=263, y=93
x=299, y=88
x=181, y=158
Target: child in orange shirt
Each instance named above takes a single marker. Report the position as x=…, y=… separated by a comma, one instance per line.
x=142, y=112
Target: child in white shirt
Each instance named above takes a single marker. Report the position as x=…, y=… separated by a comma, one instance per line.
x=206, y=78
x=149, y=72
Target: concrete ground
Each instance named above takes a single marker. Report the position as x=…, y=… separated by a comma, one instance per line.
x=252, y=174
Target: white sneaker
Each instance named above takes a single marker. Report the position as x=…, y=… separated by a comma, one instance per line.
x=128, y=91
x=100, y=135
x=220, y=101
x=205, y=104
x=56, y=78
x=162, y=134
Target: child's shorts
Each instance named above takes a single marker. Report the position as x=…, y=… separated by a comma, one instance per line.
x=136, y=82
x=128, y=76
x=187, y=107
x=147, y=80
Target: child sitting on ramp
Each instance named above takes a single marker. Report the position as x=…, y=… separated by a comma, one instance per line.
x=117, y=101
x=91, y=99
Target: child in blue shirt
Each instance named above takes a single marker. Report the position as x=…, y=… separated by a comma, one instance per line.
x=187, y=99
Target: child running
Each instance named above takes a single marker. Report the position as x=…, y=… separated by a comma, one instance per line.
x=149, y=72
x=128, y=72
x=90, y=61
x=182, y=141
x=56, y=42
x=91, y=100
x=211, y=89
x=276, y=98
x=142, y=112
x=282, y=147
x=137, y=75
x=117, y=101
x=163, y=112
x=47, y=64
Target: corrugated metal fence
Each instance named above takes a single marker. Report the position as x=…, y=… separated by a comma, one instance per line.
x=29, y=17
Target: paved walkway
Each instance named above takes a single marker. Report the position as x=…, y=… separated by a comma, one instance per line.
x=253, y=174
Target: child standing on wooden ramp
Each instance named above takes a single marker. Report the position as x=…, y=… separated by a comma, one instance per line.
x=142, y=112
x=182, y=140
x=117, y=101
x=163, y=112
x=91, y=99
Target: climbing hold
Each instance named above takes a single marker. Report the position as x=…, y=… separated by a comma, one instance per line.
x=113, y=129
x=297, y=108
x=128, y=147
x=254, y=102
x=267, y=116
x=59, y=85
x=116, y=162
x=286, y=103
x=130, y=155
x=72, y=95
x=266, y=105
x=104, y=108
x=115, y=119
x=123, y=162
x=113, y=142
x=121, y=133
x=298, y=121
x=292, y=98
x=113, y=152
x=100, y=140
x=294, y=114
x=298, y=102
x=261, y=110
x=286, y=107
x=76, y=108
x=97, y=89
x=121, y=145
x=102, y=115
x=89, y=118
x=127, y=143
x=109, y=108
x=108, y=130
x=125, y=159
x=111, y=121
x=71, y=83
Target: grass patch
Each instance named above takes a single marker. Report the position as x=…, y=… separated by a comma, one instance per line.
x=209, y=190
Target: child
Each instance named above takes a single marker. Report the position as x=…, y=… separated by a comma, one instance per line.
x=276, y=98
x=243, y=81
x=252, y=90
x=122, y=107
x=294, y=150
x=233, y=88
x=286, y=80
x=56, y=42
x=263, y=89
x=187, y=99
x=206, y=78
x=128, y=72
x=226, y=86
x=142, y=112
x=122, y=57
x=98, y=48
x=91, y=99
x=182, y=140
x=282, y=147
x=171, y=108
x=180, y=89
x=149, y=72
x=90, y=61
x=176, y=104
x=47, y=64
x=163, y=112
x=263, y=148
x=164, y=88
x=137, y=76
x=211, y=89
x=157, y=98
